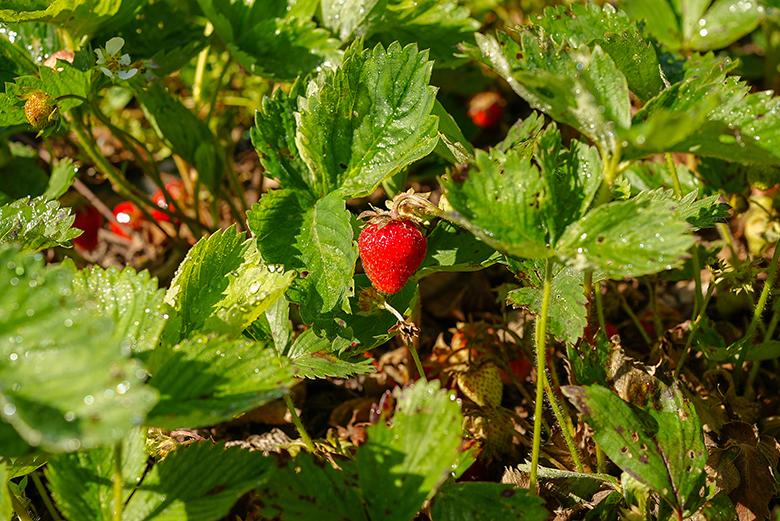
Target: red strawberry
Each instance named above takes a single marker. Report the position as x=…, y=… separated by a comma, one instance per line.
x=391, y=253
x=486, y=109
x=176, y=190
x=89, y=220
x=128, y=215
x=520, y=368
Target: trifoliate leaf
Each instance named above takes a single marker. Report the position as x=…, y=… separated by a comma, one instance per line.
x=207, y=380
x=68, y=382
x=367, y=120
x=627, y=238
x=36, y=224
x=315, y=357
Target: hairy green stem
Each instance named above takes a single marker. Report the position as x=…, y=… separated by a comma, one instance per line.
x=540, y=338
x=693, y=330
x=299, y=424
x=670, y=166
x=200, y=68
x=117, y=482
x=601, y=460
x=758, y=311
x=600, y=307
x=634, y=319
x=565, y=422
x=55, y=515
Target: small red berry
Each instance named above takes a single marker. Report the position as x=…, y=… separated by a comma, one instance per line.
x=89, y=220
x=128, y=215
x=391, y=253
x=176, y=190
x=486, y=109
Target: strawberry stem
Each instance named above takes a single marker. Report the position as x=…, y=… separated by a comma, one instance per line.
x=305, y=438
x=117, y=480
x=541, y=377
x=410, y=342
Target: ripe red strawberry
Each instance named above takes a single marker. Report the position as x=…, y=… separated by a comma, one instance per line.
x=486, y=109
x=391, y=253
x=520, y=368
x=89, y=220
x=176, y=191
x=126, y=214
x=482, y=385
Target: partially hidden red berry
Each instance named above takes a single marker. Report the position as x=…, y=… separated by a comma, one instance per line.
x=128, y=215
x=391, y=253
x=486, y=109
x=89, y=220
x=176, y=190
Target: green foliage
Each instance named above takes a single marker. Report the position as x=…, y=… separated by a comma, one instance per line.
x=580, y=87
x=314, y=238
x=36, y=224
x=222, y=285
x=81, y=481
x=82, y=17
x=62, y=175
x=207, y=380
x=196, y=482
x=132, y=301
x=485, y=502
x=699, y=25
x=67, y=380
x=397, y=469
x=436, y=25
x=453, y=249
x=567, y=314
x=656, y=239
x=315, y=357
x=366, y=120
x=184, y=132
x=270, y=39
x=662, y=447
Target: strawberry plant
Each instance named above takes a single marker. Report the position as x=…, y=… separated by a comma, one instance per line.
x=566, y=311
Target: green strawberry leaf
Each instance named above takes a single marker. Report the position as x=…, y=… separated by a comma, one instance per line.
x=628, y=238
x=699, y=25
x=80, y=17
x=474, y=501
x=453, y=249
x=315, y=357
x=567, y=314
x=498, y=203
x=663, y=449
x=131, y=299
x=222, y=285
x=36, y=224
x=63, y=172
x=268, y=38
x=397, y=469
x=581, y=87
x=615, y=33
x=81, y=481
x=183, y=132
x=208, y=380
x=315, y=238
x=367, y=120
x=68, y=382
x=273, y=137
x=432, y=24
